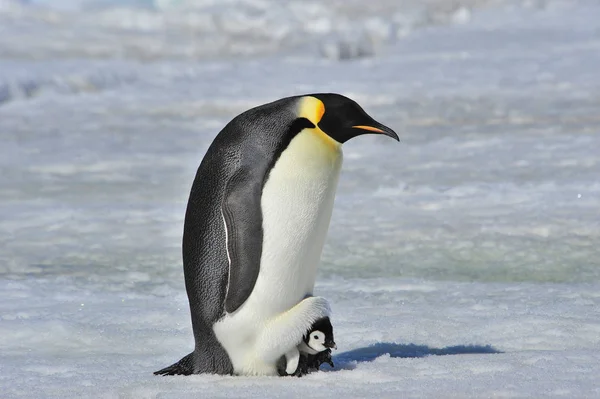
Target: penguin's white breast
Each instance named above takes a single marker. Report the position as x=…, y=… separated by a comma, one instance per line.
x=297, y=202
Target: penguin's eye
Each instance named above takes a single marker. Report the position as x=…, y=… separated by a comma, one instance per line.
x=315, y=336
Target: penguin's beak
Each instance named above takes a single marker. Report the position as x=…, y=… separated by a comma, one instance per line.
x=330, y=344
x=378, y=128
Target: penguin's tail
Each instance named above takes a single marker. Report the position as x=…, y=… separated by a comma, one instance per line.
x=183, y=367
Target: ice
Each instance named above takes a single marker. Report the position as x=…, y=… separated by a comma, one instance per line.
x=461, y=262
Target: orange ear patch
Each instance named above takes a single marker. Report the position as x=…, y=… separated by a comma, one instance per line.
x=312, y=109
x=319, y=110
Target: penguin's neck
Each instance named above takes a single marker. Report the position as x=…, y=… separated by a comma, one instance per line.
x=304, y=348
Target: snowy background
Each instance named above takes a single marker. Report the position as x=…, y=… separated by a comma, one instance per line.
x=462, y=262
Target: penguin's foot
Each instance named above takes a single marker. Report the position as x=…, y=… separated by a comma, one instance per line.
x=299, y=373
x=303, y=367
x=182, y=367
x=311, y=363
x=307, y=364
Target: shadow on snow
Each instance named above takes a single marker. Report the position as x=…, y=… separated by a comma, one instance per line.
x=349, y=360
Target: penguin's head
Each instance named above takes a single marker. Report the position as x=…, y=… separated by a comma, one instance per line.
x=320, y=336
x=340, y=117
x=316, y=341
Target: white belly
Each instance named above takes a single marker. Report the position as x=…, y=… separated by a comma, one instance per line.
x=297, y=203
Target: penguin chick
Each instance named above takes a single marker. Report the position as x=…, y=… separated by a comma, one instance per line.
x=319, y=338
x=314, y=350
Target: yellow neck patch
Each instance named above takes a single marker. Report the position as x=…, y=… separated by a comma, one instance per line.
x=313, y=109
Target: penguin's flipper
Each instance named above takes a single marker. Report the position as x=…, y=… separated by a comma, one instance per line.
x=292, y=357
x=242, y=216
x=183, y=367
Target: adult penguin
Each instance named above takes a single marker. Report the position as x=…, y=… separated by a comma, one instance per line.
x=255, y=225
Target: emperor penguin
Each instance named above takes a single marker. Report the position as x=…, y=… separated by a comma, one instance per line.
x=255, y=226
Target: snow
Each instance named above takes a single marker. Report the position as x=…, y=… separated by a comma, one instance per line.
x=396, y=337
x=462, y=262
x=201, y=29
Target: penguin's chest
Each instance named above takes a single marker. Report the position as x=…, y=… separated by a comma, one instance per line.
x=297, y=204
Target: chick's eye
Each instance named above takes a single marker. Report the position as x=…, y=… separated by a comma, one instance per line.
x=315, y=336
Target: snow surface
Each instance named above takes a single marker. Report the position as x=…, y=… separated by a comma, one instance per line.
x=462, y=262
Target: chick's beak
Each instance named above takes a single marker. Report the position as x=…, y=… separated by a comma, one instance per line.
x=330, y=344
